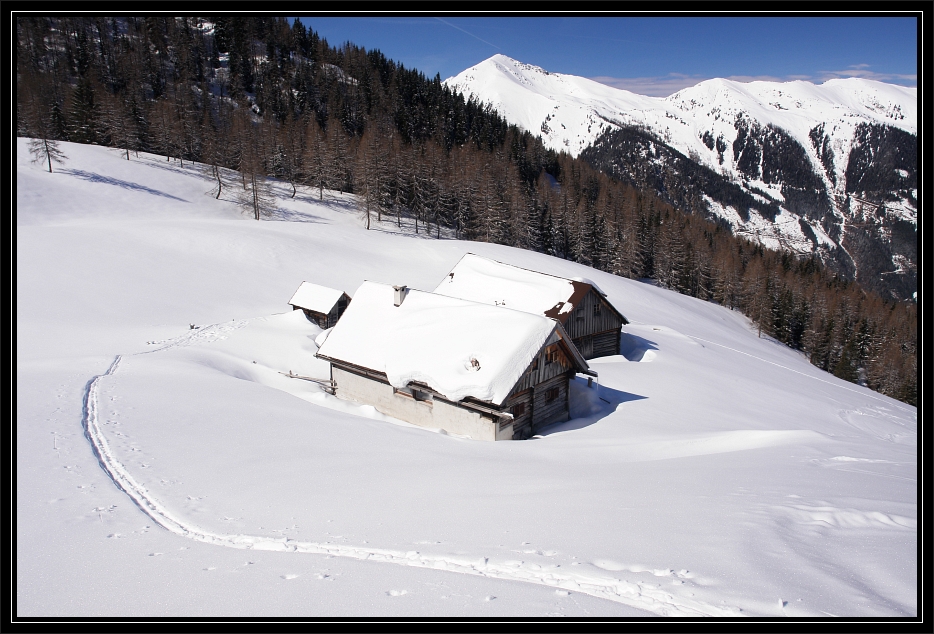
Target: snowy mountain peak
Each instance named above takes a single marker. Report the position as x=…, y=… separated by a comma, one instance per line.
x=816, y=155
x=510, y=63
x=570, y=112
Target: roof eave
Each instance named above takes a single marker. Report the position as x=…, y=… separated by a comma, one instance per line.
x=577, y=357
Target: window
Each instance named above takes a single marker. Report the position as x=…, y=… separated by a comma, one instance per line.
x=409, y=392
x=518, y=410
x=551, y=394
x=551, y=354
x=534, y=364
x=596, y=309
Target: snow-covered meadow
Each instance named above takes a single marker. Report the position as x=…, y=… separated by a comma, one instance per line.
x=163, y=469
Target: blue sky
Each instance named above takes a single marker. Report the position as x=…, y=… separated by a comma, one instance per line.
x=655, y=56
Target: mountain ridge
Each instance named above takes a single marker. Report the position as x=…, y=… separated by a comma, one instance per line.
x=839, y=157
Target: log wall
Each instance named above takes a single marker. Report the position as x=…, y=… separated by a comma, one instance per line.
x=588, y=323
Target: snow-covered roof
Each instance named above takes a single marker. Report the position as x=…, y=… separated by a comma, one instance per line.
x=490, y=282
x=432, y=339
x=320, y=299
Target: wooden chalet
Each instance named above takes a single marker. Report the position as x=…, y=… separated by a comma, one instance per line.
x=321, y=305
x=588, y=317
x=476, y=370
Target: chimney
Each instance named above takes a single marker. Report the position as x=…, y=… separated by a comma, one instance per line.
x=399, y=295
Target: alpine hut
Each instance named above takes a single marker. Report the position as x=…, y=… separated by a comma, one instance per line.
x=477, y=370
x=588, y=317
x=322, y=305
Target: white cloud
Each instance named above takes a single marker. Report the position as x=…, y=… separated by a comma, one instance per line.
x=666, y=85
x=862, y=71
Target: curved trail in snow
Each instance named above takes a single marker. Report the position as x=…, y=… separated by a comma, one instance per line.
x=641, y=595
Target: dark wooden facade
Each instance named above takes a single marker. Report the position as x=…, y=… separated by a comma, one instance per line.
x=540, y=397
x=593, y=324
x=329, y=320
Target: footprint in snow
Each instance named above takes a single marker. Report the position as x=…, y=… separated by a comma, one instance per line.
x=154, y=554
x=562, y=593
x=397, y=593
x=210, y=568
x=489, y=597
x=289, y=577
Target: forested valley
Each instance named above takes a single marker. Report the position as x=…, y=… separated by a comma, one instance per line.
x=266, y=99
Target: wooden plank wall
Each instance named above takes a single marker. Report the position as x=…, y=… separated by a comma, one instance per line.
x=336, y=311
x=521, y=425
x=544, y=369
x=320, y=319
x=582, y=320
x=544, y=412
x=606, y=343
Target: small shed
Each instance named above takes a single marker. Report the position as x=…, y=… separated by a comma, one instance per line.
x=321, y=305
x=585, y=312
x=477, y=370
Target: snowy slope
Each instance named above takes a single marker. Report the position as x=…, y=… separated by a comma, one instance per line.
x=166, y=470
x=816, y=160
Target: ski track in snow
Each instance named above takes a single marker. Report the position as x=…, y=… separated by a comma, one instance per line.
x=644, y=595
x=199, y=334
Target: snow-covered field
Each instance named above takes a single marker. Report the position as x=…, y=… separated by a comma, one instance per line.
x=169, y=470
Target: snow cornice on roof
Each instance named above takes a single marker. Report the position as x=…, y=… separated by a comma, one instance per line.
x=488, y=281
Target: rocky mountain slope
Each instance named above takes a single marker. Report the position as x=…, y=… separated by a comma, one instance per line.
x=829, y=169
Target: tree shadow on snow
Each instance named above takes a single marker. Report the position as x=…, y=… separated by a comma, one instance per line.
x=109, y=180
x=187, y=168
x=290, y=215
x=339, y=202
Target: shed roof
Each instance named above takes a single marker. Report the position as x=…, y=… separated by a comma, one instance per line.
x=320, y=299
x=487, y=281
x=432, y=338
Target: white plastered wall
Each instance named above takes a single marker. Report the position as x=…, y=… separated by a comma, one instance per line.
x=432, y=414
